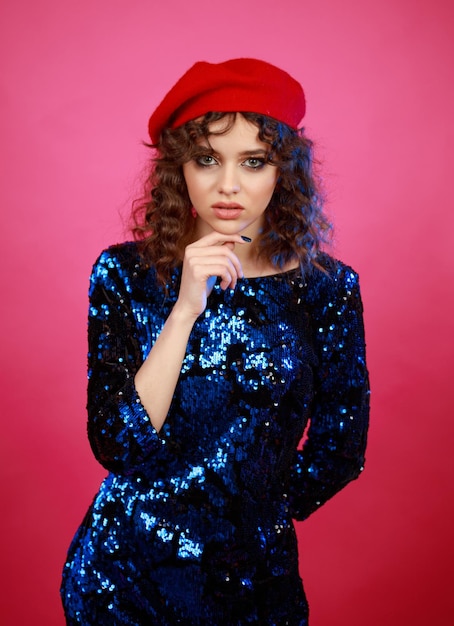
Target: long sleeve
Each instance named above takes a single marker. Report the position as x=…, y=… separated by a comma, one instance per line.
x=333, y=452
x=119, y=430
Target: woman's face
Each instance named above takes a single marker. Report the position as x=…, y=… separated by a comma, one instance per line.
x=230, y=184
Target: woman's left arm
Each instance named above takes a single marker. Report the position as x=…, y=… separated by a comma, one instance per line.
x=333, y=452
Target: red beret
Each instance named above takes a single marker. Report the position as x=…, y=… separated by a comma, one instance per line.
x=248, y=85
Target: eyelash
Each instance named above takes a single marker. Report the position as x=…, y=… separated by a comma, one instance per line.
x=260, y=162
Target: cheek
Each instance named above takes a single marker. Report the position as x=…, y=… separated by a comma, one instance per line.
x=271, y=186
x=195, y=193
x=187, y=177
x=196, y=183
x=191, y=184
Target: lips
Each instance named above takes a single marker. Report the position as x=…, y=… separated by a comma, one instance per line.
x=227, y=210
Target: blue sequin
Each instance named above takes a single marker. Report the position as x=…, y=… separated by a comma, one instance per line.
x=194, y=525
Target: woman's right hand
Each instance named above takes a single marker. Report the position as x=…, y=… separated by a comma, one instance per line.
x=205, y=260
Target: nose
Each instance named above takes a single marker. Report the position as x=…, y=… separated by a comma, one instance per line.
x=229, y=180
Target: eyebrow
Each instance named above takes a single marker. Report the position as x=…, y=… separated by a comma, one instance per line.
x=208, y=150
x=260, y=151
x=256, y=152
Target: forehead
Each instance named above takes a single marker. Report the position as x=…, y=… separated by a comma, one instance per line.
x=239, y=131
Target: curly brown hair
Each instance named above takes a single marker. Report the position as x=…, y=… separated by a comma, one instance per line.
x=295, y=226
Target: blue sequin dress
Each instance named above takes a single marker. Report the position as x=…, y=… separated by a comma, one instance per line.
x=193, y=525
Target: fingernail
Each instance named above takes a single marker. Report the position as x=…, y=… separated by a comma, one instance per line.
x=246, y=239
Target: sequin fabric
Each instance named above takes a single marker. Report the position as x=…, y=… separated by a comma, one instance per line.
x=193, y=525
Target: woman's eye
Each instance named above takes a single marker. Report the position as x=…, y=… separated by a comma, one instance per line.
x=205, y=160
x=254, y=163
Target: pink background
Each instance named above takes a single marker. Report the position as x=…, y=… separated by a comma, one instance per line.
x=77, y=83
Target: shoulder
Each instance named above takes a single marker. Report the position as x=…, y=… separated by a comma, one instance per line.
x=119, y=255
x=332, y=274
x=119, y=265
x=331, y=282
x=123, y=270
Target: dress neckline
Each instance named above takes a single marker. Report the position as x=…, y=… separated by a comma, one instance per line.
x=276, y=275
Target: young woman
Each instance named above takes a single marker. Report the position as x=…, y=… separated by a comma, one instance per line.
x=218, y=339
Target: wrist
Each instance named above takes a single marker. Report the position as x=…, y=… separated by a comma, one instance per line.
x=182, y=317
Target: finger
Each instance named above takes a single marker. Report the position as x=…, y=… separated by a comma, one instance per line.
x=214, y=254
x=217, y=239
x=202, y=268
